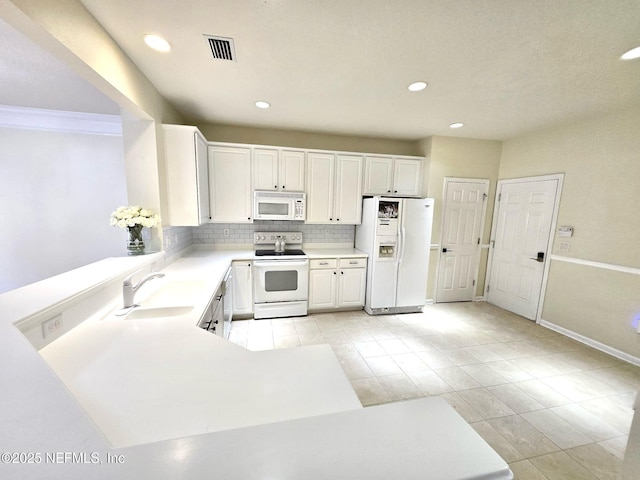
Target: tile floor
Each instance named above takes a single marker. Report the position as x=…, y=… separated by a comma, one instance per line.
x=553, y=408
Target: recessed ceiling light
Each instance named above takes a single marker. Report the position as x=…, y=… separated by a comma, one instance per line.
x=157, y=43
x=417, y=86
x=456, y=125
x=261, y=104
x=631, y=54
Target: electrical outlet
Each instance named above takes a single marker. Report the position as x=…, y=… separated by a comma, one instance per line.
x=564, y=246
x=225, y=232
x=51, y=326
x=168, y=241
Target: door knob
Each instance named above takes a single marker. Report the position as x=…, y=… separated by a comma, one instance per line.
x=539, y=258
x=445, y=250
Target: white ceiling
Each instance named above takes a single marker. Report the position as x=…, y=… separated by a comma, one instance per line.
x=503, y=67
x=31, y=77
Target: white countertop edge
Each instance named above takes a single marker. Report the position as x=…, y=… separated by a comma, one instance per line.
x=349, y=252
x=415, y=439
x=32, y=299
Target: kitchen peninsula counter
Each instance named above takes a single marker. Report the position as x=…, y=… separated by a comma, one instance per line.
x=417, y=439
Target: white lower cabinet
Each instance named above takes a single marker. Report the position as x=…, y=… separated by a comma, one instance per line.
x=242, y=288
x=337, y=283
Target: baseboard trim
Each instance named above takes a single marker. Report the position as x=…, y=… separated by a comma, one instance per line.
x=591, y=343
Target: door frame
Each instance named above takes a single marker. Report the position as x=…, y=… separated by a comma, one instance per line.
x=483, y=220
x=552, y=232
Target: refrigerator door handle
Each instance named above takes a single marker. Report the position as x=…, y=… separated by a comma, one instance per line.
x=402, y=235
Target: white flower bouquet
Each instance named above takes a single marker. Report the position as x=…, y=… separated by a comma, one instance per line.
x=125, y=217
x=134, y=218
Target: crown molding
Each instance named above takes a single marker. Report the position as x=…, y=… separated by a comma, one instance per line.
x=60, y=121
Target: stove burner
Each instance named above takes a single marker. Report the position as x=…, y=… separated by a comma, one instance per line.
x=273, y=253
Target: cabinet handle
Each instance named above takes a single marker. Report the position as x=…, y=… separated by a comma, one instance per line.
x=395, y=191
x=337, y=219
x=341, y=273
x=324, y=263
x=353, y=262
x=335, y=273
x=388, y=191
x=331, y=219
x=275, y=186
x=283, y=187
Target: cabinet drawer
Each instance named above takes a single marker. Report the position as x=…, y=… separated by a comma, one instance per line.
x=319, y=263
x=353, y=262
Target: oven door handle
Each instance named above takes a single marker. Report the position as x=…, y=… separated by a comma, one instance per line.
x=279, y=263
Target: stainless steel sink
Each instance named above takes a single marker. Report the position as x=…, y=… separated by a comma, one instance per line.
x=158, y=312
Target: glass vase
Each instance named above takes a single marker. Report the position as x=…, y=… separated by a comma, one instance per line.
x=135, y=245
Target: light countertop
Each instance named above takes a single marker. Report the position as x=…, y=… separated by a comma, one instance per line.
x=334, y=253
x=45, y=417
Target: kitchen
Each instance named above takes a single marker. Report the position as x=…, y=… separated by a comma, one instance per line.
x=449, y=156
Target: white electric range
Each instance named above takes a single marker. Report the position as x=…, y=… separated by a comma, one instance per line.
x=281, y=275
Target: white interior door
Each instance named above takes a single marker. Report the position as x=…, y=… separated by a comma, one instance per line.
x=523, y=220
x=463, y=219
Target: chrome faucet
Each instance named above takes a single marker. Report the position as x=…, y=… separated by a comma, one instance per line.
x=129, y=290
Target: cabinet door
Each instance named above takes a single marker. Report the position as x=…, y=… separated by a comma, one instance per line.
x=242, y=288
x=320, y=175
x=378, y=175
x=322, y=288
x=351, y=287
x=265, y=169
x=348, y=199
x=291, y=172
x=407, y=177
x=230, y=184
x=202, y=178
x=186, y=175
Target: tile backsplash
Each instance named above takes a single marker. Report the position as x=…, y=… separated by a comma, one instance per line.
x=213, y=233
x=176, y=239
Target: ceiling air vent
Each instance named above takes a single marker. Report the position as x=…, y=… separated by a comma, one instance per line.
x=221, y=48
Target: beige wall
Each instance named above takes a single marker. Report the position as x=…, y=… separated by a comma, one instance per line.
x=298, y=139
x=600, y=159
x=462, y=158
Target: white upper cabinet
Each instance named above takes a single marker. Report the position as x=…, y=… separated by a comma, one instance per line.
x=187, y=175
x=407, y=176
x=230, y=184
x=320, y=186
x=378, y=176
x=334, y=188
x=399, y=176
x=276, y=169
x=348, y=196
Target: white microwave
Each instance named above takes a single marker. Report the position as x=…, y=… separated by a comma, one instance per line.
x=278, y=205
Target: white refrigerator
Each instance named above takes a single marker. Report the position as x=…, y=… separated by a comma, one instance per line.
x=396, y=234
